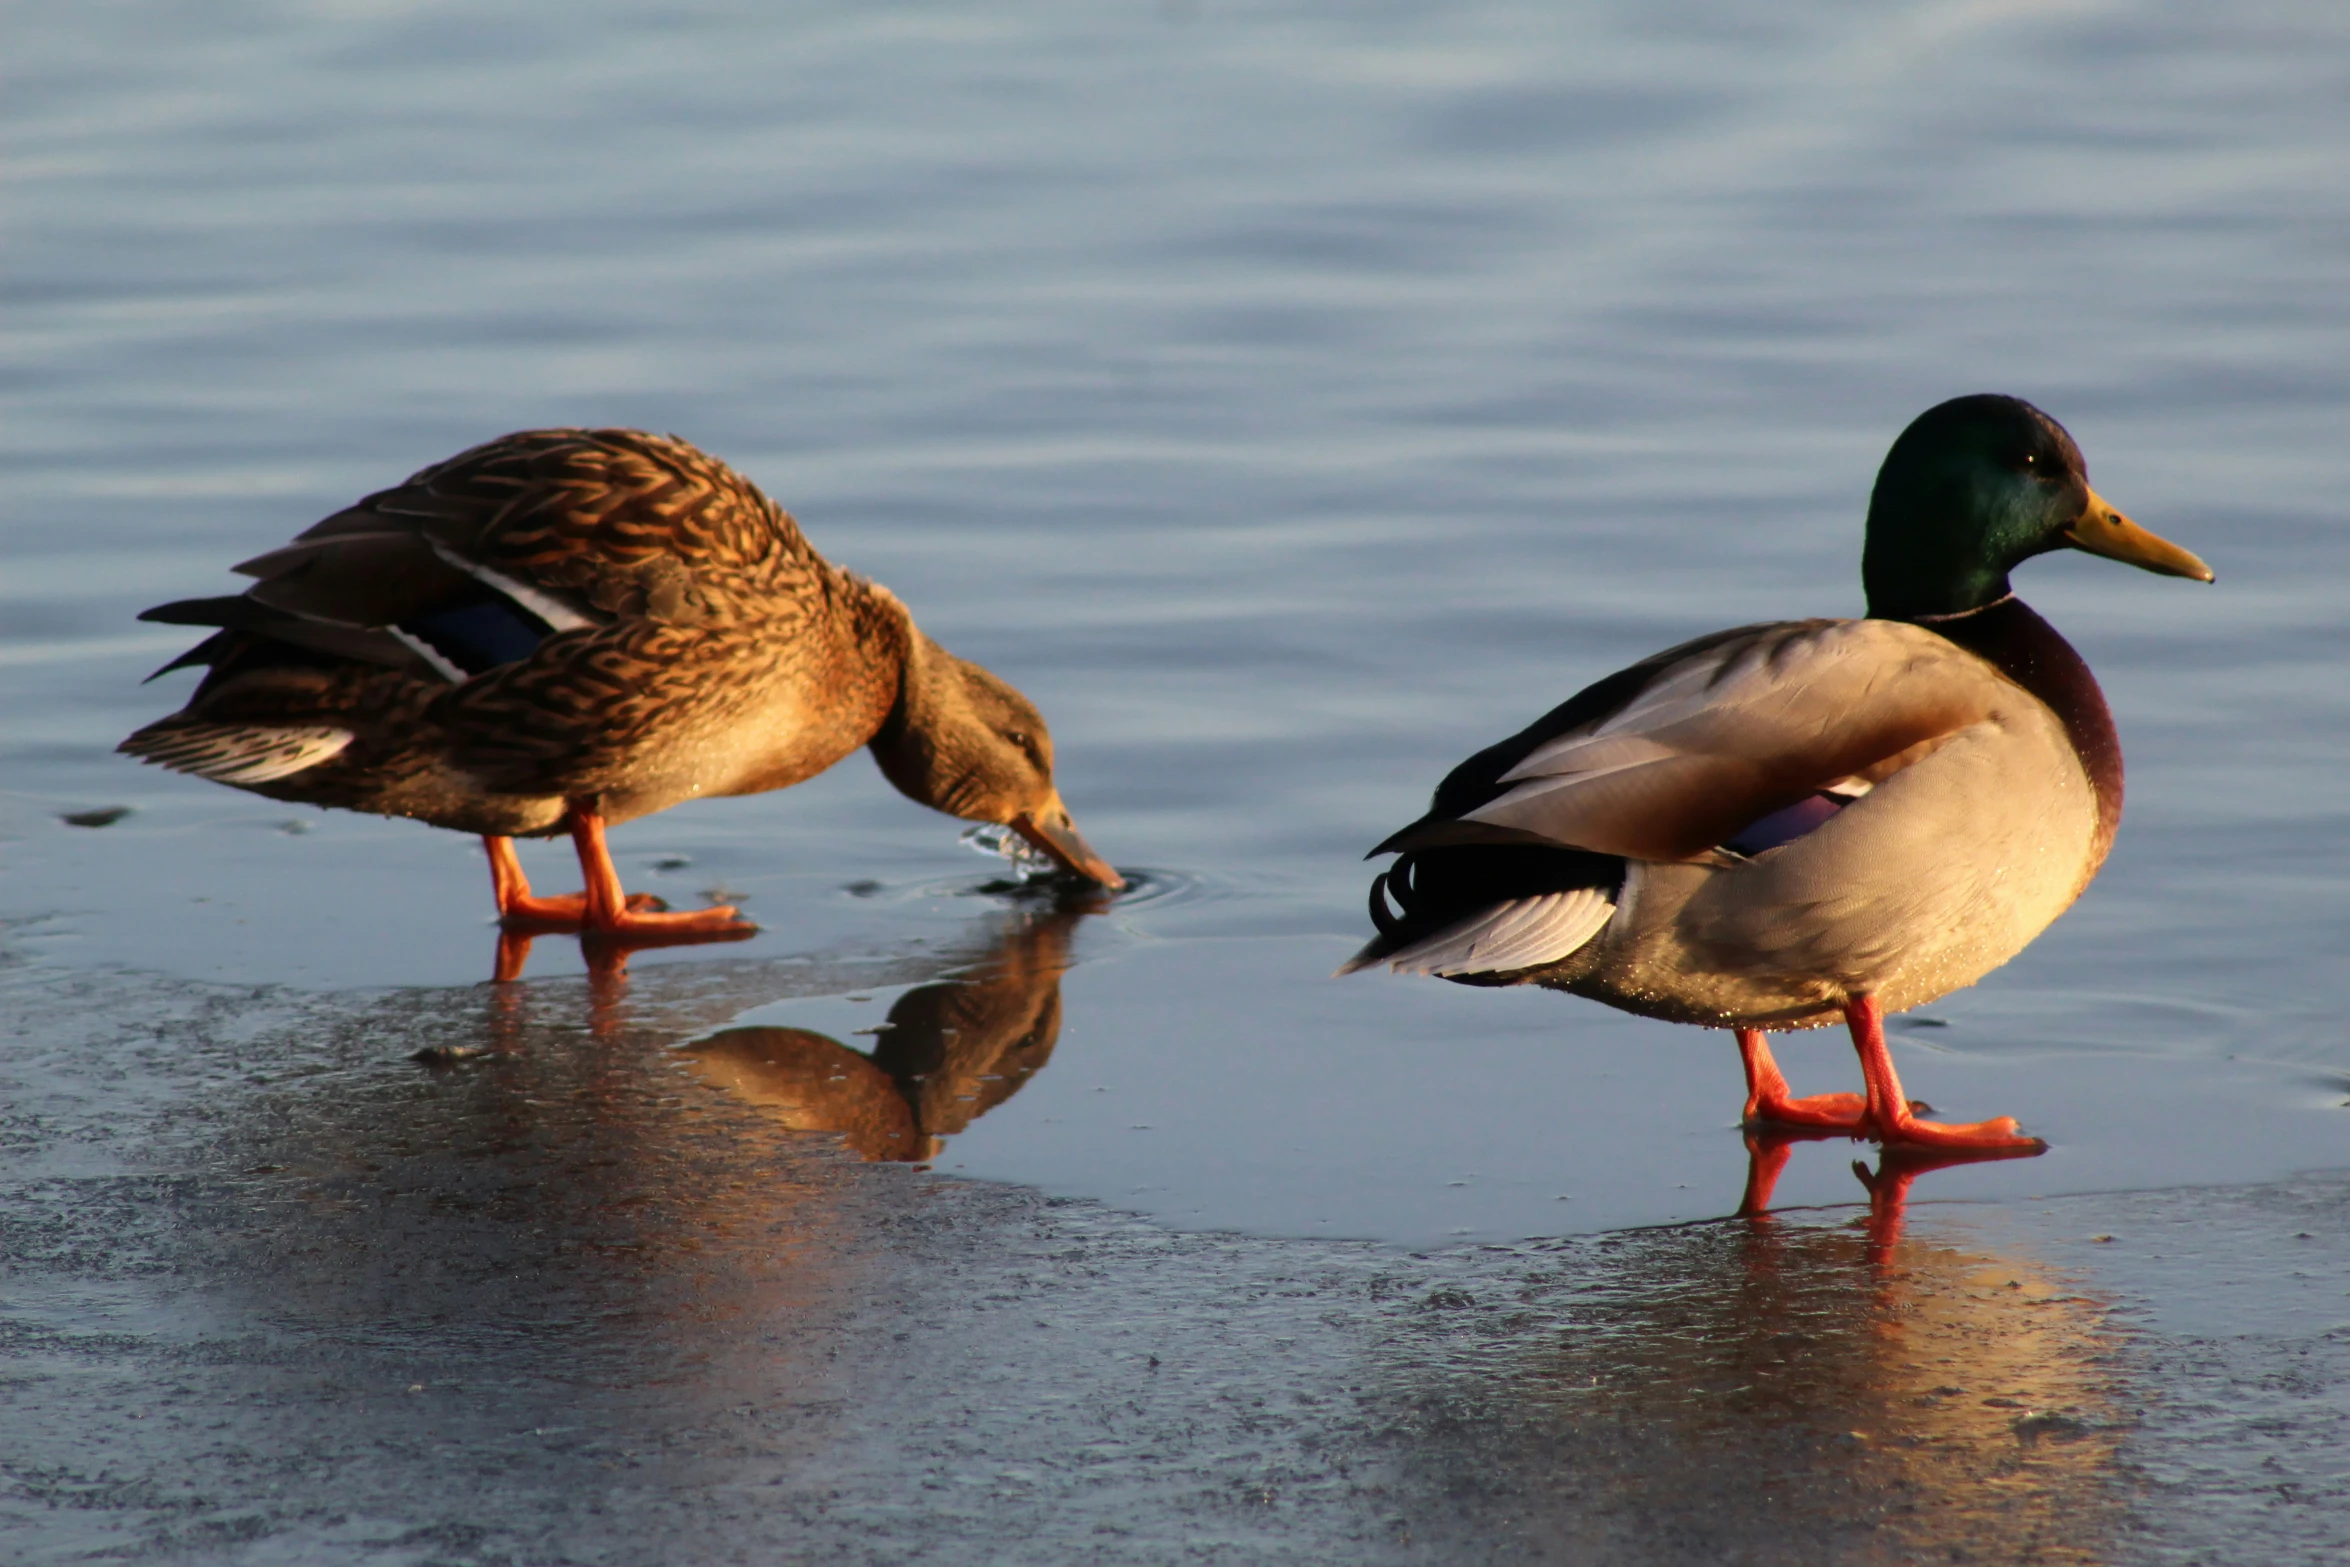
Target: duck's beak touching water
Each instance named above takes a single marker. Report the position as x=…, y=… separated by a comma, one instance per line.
x=1050, y=829
x=2104, y=531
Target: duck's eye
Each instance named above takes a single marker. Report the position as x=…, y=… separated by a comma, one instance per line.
x=2040, y=465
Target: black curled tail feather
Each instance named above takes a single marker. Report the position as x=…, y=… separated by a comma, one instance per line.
x=1398, y=879
x=1386, y=921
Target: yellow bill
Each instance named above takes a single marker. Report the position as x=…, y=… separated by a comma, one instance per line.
x=2104, y=531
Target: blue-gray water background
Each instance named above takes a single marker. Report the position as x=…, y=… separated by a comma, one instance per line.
x=1290, y=399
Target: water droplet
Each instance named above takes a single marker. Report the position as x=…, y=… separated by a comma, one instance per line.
x=1025, y=859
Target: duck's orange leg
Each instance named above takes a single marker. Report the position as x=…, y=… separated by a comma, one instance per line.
x=522, y=911
x=1891, y=1119
x=611, y=913
x=1768, y=1103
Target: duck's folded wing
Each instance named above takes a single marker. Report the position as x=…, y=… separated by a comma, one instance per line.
x=473, y=563
x=578, y=527
x=1724, y=734
x=389, y=598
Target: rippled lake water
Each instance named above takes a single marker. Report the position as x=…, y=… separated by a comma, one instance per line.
x=1289, y=400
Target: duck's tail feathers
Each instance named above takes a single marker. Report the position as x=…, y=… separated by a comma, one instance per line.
x=203, y=655
x=1480, y=909
x=237, y=612
x=231, y=752
x=1522, y=933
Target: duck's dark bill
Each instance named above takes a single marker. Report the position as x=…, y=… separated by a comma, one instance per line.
x=1052, y=831
x=2104, y=531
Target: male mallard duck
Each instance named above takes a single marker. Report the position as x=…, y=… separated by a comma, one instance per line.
x=1774, y=825
x=565, y=629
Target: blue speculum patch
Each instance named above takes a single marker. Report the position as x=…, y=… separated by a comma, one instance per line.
x=480, y=635
x=1785, y=826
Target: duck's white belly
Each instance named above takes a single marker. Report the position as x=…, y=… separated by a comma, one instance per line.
x=1940, y=874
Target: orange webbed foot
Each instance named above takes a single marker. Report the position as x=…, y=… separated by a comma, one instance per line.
x=664, y=927
x=1892, y=1116
x=1820, y=1112
x=2000, y=1134
x=607, y=950
x=564, y=914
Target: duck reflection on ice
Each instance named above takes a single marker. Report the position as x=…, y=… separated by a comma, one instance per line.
x=1771, y=1389
x=949, y=1053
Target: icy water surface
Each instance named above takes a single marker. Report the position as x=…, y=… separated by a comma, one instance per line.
x=1290, y=401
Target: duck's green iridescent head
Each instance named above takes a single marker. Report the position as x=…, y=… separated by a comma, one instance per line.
x=1975, y=487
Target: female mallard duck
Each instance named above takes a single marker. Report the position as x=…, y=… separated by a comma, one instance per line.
x=565, y=629
x=1775, y=825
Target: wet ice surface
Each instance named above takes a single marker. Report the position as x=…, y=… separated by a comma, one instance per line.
x=1290, y=404
x=275, y=1293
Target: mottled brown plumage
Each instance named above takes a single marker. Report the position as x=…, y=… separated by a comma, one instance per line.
x=565, y=625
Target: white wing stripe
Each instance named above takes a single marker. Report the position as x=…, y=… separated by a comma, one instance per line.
x=431, y=655
x=558, y=615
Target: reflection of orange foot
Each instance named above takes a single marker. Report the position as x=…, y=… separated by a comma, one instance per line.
x=1898, y=1165
x=1767, y=1152
x=607, y=951
x=1891, y=1117
x=513, y=954
x=1768, y=1149
x=1888, y=1188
